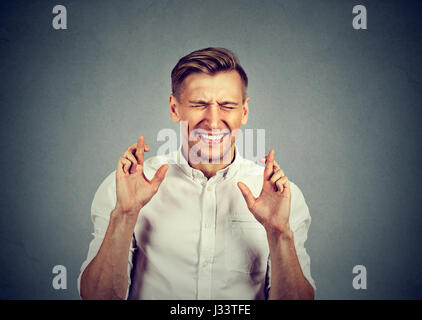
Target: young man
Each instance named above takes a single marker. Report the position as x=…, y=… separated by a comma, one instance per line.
x=200, y=222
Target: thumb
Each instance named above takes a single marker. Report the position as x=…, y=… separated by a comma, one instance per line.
x=247, y=194
x=159, y=176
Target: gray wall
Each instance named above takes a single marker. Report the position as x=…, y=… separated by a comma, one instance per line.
x=341, y=108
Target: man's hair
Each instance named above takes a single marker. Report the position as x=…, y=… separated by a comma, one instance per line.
x=209, y=61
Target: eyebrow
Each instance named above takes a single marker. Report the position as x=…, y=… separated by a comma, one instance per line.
x=208, y=103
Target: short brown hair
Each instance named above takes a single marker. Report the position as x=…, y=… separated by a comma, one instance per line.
x=210, y=61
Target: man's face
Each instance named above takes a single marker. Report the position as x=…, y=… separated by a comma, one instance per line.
x=213, y=108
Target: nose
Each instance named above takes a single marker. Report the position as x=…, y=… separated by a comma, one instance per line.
x=213, y=116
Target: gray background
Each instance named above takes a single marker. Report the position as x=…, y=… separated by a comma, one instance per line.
x=341, y=108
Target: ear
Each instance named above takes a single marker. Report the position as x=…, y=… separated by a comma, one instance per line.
x=174, y=108
x=245, y=111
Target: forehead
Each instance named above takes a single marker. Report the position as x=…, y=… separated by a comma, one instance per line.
x=222, y=85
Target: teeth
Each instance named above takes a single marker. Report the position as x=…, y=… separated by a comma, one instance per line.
x=213, y=137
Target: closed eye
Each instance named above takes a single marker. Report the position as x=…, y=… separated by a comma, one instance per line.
x=204, y=106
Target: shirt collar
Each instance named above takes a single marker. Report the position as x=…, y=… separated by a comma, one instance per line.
x=193, y=173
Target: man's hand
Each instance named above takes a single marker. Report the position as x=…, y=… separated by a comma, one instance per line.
x=133, y=189
x=272, y=207
x=272, y=210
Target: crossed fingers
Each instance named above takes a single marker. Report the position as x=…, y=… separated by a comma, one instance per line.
x=135, y=154
x=273, y=173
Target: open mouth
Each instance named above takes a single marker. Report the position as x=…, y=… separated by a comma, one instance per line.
x=212, y=138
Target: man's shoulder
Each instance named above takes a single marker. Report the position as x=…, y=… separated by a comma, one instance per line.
x=156, y=161
x=251, y=168
x=108, y=181
x=152, y=164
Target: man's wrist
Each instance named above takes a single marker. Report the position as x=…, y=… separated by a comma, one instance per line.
x=124, y=218
x=278, y=235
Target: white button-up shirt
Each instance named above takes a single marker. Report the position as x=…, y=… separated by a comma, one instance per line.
x=196, y=238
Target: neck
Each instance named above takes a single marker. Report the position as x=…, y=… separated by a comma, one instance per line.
x=210, y=169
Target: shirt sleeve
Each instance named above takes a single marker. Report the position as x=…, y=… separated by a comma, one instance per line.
x=103, y=203
x=300, y=220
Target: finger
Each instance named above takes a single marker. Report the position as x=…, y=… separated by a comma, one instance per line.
x=119, y=170
x=287, y=186
x=279, y=185
x=264, y=160
x=159, y=177
x=140, y=147
x=132, y=159
x=276, y=165
x=127, y=165
x=124, y=165
x=277, y=168
x=132, y=148
x=282, y=184
x=269, y=165
x=247, y=194
x=276, y=175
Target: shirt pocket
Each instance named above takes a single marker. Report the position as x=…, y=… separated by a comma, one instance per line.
x=246, y=246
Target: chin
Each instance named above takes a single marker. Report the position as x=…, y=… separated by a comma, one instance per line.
x=210, y=157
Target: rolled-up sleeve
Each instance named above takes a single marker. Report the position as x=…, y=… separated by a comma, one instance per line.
x=103, y=203
x=300, y=221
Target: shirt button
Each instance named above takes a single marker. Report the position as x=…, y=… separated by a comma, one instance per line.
x=209, y=188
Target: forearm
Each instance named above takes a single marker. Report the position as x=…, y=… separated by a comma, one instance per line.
x=106, y=277
x=287, y=279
